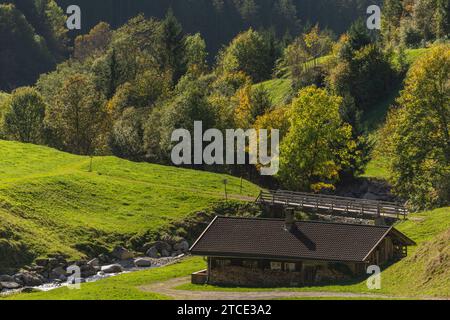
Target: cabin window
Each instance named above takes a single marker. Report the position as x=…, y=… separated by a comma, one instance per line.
x=275, y=266
x=223, y=263
x=289, y=267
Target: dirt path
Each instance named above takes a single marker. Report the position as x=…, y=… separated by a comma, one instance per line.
x=167, y=288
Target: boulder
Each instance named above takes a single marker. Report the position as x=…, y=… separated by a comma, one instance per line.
x=94, y=262
x=29, y=279
x=159, y=245
x=37, y=269
x=112, y=268
x=6, y=278
x=104, y=258
x=176, y=253
x=152, y=252
x=165, y=253
x=121, y=253
x=54, y=263
x=41, y=262
x=182, y=246
x=88, y=271
x=58, y=272
x=9, y=285
x=143, y=262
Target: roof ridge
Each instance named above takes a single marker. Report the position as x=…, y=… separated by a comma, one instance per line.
x=303, y=221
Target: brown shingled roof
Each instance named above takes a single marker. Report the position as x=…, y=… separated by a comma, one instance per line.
x=309, y=240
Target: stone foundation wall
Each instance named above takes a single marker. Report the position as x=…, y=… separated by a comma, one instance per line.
x=240, y=276
x=246, y=277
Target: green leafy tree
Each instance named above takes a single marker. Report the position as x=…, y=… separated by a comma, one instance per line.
x=250, y=53
x=24, y=115
x=78, y=116
x=318, y=144
x=126, y=139
x=93, y=44
x=250, y=103
x=189, y=103
x=416, y=138
x=196, y=54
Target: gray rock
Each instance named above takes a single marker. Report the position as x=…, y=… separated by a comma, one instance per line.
x=29, y=279
x=112, y=268
x=182, y=246
x=152, y=252
x=143, y=262
x=103, y=258
x=57, y=272
x=88, y=271
x=160, y=246
x=6, y=278
x=41, y=262
x=121, y=253
x=9, y=285
x=165, y=253
x=94, y=262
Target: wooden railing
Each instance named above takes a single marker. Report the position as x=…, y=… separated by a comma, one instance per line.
x=333, y=204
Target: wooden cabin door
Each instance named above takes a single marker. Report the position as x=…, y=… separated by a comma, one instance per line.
x=309, y=275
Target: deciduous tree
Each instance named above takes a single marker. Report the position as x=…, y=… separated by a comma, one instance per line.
x=24, y=114
x=78, y=116
x=416, y=138
x=318, y=144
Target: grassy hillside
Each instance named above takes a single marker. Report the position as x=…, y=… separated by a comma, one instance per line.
x=50, y=202
x=278, y=89
x=424, y=273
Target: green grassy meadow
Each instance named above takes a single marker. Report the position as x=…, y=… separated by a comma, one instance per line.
x=50, y=202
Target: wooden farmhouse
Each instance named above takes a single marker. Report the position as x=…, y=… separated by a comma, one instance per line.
x=255, y=252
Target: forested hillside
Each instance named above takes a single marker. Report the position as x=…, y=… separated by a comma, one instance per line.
x=220, y=20
x=32, y=40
